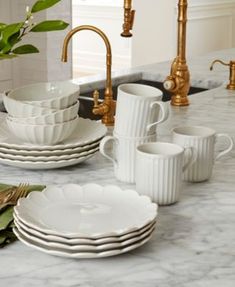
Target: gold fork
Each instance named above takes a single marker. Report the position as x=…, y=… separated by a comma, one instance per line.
x=11, y=195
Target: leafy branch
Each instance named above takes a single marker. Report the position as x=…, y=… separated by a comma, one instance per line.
x=12, y=34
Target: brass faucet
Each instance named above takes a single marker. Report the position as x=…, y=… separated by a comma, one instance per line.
x=129, y=16
x=178, y=82
x=231, y=64
x=107, y=107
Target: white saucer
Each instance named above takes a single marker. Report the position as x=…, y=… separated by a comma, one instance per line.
x=56, y=152
x=74, y=254
x=46, y=165
x=75, y=241
x=86, y=247
x=39, y=159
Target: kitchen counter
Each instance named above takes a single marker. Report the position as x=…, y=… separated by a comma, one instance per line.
x=194, y=243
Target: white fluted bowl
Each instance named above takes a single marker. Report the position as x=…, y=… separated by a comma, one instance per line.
x=52, y=95
x=21, y=110
x=42, y=134
x=54, y=118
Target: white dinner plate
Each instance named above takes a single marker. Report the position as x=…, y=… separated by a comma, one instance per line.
x=87, y=247
x=86, y=132
x=90, y=211
x=56, y=152
x=48, y=158
x=46, y=165
x=79, y=255
x=75, y=241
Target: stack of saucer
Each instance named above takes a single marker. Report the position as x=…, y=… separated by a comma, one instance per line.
x=78, y=147
x=89, y=221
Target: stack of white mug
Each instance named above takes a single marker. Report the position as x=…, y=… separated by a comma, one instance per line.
x=139, y=110
x=158, y=168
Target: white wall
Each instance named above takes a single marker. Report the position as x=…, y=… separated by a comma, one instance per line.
x=154, y=33
x=211, y=26
x=88, y=48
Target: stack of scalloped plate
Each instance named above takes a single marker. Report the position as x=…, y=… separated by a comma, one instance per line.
x=81, y=145
x=89, y=221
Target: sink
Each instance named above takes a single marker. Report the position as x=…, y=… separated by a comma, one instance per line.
x=86, y=100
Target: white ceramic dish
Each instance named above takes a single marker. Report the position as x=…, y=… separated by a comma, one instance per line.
x=21, y=110
x=86, y=132
x=49, y=158
x=35, y=153
x=79, y=255
x=85, y=247
x=52, y=95
x=45, y=165
x=89, y=211
x=54, y=118
x=42, y=134
x=75, y=241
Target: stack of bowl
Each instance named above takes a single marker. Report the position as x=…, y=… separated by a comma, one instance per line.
x=43, y=113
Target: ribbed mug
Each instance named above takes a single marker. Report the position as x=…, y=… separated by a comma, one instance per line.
x=203, y=140
x=123, y=154
x=139, y=110
x=159, y=168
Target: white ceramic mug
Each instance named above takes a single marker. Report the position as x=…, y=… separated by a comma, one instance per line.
x=203, y=139
x=137, y=110
x=159, y=168
x=123, y=154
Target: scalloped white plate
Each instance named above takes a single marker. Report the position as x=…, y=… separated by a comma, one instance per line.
x=90, y=211
x=86, y=247
x=86, y=132
x=47, y=165
x=80, y=255
x=57, y=152
x=48, y=158
x=75, y=241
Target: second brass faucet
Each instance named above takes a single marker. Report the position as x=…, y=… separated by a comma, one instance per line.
x=107, y=107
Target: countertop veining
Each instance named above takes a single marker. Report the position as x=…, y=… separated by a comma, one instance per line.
x=194, y=244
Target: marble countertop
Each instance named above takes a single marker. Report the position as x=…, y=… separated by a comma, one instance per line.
x=194, y=243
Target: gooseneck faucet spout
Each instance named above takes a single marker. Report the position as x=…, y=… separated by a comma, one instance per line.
x=178, y=82
x=107, y=107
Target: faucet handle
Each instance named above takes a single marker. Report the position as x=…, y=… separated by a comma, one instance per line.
x=96, y=96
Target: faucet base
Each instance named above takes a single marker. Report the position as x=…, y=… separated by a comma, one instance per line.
x=178, y=100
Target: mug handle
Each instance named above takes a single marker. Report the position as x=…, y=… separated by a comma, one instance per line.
x=164, y=112
x=192, y=157
x=231, y=144
x=103, y=149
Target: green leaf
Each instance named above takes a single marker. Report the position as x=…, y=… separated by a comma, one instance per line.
x=43, y=4
x=6, y=33
x=25, y=49
x=47, y=26
x=6, y=218
x=14, y=39
x=2, y=26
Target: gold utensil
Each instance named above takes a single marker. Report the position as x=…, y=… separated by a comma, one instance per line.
x=10, y=196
